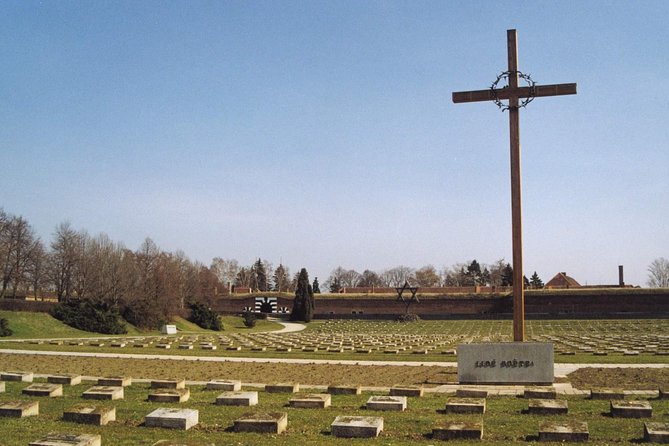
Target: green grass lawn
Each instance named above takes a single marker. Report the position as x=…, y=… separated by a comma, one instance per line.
x=504, y=421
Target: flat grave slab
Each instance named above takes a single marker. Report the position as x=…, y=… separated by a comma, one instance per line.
x=398, y=403
x=115, y=381
x=356, y=426
x=311, y=401
x=406, y=391
x=118, y=344
x=344, y=390
x=631, y=409
x=458, y=430
x=663, y=394
x=238, y=398
x=68, y=440
x=103, y=393
x=172, y=418
x=465, y=405
x=599, y=393
x=50, y=390
x=544, y=393
x=656, y=432
x=67, y=379
x=230, y=385
x=19, y=409
x=17, y=376
x=169, y=395
x=88, y=414
x=282, y=388
x=468, y=392
x=547, y=407
x=270, y=423
x=564, y=431
x=168, y=384
x=180, y=443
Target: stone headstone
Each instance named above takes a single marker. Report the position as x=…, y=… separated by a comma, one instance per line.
x=115, y=381
x=282, y=388
x=19, y=409
x=238, y=398
x=547, y=407
x=70, y=380
x=344, y=390
x=270, y=423
x=607, y=394
x=103, y=393
x=17, y=376
x=229, y=385
x=168, y=329
x=169, y=395
x=466, y=392
x=564, y=431
x=68, y=440
x=356, y=426
x=406, y=391
x=544, y=393
x=86, y=414
x=506, y=363
x=458, y=430
x=465, y=405
x=311, y=401
x=631, y=409
x=172, y=418
x=656, y=432
x=398, y=403
x=50, y=390
x=168, y=384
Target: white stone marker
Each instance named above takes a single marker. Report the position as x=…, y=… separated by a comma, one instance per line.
x=282, y=388
x=465, y=405
x=86, y=414
x=115, y=381
x=547, y=407
x=270, y=423
x=311, y=401
x=356, y=426
x=103, y=393
x=168, y=384
x=17, y=376
x=506, y=363
x=656, y=432
x=564, y=431
x=230, y=385
x=172, y=418
x=344, y=390
x=238, y=398
x=631, y=409
x=406, y=391
x=68, y=440
x=51, y=390
x=458, y=430
x=398, y=403
x=67, y=379
x=19, y=409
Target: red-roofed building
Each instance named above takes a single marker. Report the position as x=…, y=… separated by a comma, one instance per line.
x=562, y=280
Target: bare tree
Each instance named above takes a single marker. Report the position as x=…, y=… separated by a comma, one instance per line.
x=395, y=277
x=344, y=278
x=369, y=279
x=63, y=260
x=658, y=273
x=427, y=277
x=18, y=246
x=455, y=275
x=225, y=269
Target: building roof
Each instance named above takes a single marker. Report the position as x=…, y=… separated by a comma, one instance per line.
x=562, y=280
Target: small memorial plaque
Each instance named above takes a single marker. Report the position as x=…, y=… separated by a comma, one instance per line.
x=506, y=363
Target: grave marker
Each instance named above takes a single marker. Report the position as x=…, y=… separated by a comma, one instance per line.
x=459, y=430
x=356, y=426
x=172, y=418
x=50, y=390
x=86, y=414
x=19, y=409
x=271, y=423
x=68, y=440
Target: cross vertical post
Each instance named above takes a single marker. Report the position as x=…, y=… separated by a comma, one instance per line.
x=513, y=92
x=516, y=196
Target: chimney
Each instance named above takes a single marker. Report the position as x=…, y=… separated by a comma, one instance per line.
x=621, y=276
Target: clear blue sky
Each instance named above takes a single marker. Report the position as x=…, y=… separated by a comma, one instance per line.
x=323, y=133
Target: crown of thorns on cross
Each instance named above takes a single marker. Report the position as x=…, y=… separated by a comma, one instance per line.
x=406, y=287
x=504, y=75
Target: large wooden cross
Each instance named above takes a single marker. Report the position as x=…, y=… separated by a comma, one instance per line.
x=513, y=92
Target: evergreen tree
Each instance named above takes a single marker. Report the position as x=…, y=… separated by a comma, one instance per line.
x=281, y=282
x=507, y=276
x=535, y=281
x=316, y=286
x=526, y=282
x=474, y=275
x=259, y=276
x=303, y=305
x=335, y=285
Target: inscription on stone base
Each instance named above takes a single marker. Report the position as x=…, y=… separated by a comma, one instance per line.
x=507, y=362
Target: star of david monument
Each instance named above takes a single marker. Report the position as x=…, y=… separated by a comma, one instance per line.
x=519, y=361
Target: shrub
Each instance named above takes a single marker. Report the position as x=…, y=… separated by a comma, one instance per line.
x=142, y=314
x=87, y=315
x=205, y=317
x=4, y=328
x=409, y=317
x=249, y=319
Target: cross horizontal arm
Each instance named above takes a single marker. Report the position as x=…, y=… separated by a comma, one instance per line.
x=521, y=92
